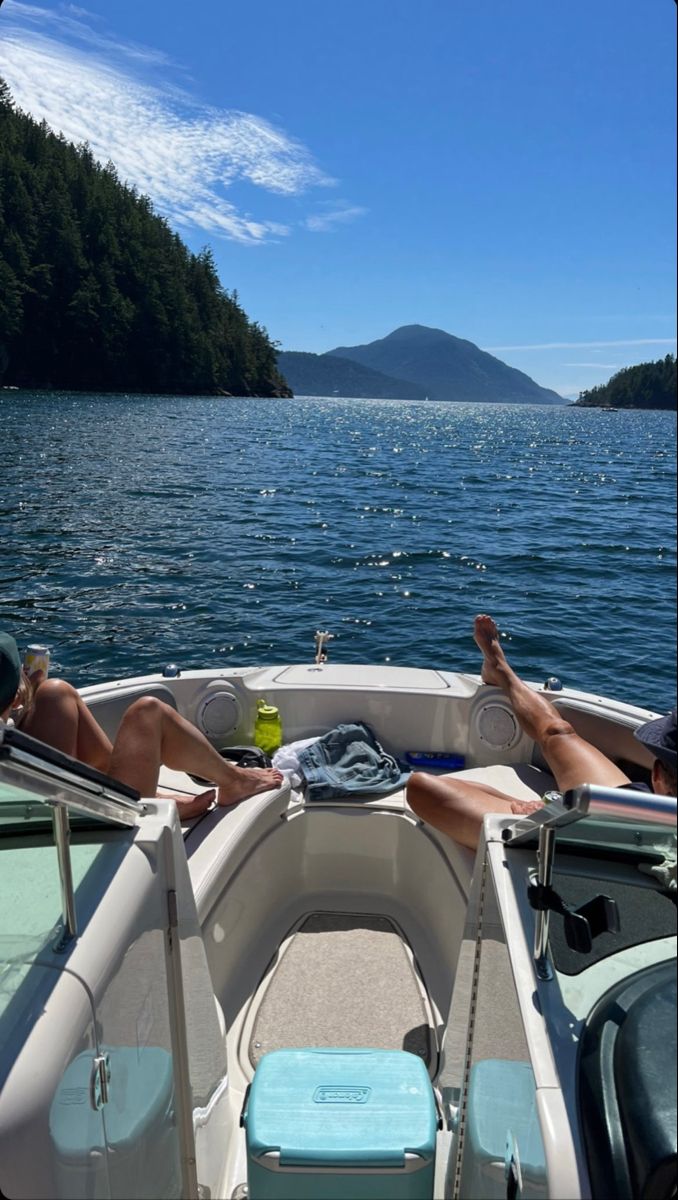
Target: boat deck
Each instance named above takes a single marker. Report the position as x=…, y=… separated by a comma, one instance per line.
x=342, y=980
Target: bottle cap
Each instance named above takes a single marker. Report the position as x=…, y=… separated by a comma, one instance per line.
x=268, y=712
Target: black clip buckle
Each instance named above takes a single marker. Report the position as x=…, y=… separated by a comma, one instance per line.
x=583, y=924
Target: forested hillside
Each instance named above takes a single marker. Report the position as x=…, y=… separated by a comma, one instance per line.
x=326, y=375
x=98, y=293
x=647, y=385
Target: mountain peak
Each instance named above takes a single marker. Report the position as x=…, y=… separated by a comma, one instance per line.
x=447, y=367
x=417, y=331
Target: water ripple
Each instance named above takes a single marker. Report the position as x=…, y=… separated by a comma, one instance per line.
x=139, y=530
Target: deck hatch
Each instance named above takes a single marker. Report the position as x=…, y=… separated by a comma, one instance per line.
x=353, y=675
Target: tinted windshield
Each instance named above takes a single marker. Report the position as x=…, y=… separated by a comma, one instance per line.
x=34, y=779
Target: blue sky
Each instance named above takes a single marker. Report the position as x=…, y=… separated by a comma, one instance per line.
x=505, y=172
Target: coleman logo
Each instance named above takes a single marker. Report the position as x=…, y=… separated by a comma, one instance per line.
x=341, y=1095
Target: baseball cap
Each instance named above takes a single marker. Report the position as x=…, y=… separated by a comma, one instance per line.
x=10, y=670
x=660, y=738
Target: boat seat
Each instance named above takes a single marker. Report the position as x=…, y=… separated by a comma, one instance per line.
x=210, y=840
x=521, y=781
x=179, y=782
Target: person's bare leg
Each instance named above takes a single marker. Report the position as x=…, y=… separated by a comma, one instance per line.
x=572, y=760
x=152, y=734
x=60, y=718
x=457, y=806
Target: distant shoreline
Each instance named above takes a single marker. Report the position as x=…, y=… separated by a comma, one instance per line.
x=74, y=391
x=65, y=391
x=18, y=392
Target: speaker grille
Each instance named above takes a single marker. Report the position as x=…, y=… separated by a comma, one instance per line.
x=497, y=726
x=219, y=715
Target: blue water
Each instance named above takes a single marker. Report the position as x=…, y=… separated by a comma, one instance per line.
x=141, y=530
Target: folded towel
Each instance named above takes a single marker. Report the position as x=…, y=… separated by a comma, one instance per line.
x=347, y=763
x=286, y=759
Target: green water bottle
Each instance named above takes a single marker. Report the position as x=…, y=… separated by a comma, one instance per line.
x=267, y=728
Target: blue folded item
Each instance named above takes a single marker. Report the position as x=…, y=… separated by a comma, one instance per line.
x=348, y=762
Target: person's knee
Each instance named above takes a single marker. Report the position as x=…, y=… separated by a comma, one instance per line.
x=558, y=729
x=419, y=794
x=55, y=693
x=146, y=710
x=148, y=714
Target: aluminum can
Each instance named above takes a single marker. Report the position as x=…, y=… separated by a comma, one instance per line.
x=36, y=658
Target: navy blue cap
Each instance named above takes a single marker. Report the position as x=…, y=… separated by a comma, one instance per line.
x=660, y=738
x=10, y=670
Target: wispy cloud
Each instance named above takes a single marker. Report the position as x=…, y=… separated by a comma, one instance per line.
x=321, y=222
x=74, y=24
x=184, y=155
x=597, y=366
x=585, y=345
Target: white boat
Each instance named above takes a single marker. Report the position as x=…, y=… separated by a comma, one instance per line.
x=148, y=974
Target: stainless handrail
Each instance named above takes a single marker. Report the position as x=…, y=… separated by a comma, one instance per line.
x=545, y=856
x=624, y=802
x=563, y=809
x=62, y=838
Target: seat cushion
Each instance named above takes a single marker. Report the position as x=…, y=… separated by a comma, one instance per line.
x=521, y=781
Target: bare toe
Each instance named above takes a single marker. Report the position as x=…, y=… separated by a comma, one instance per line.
x=485, y=631
x=250, y=782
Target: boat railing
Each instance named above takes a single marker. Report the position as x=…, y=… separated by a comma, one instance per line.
x=562, y=809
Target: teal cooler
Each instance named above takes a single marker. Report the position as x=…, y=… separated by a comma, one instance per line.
x=336, y=1124
x=502, y=1117
x=140, y=1143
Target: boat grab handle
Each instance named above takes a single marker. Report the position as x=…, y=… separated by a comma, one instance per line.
x=563, y=808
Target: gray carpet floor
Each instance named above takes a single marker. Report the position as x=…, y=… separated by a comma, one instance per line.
x=343, y=981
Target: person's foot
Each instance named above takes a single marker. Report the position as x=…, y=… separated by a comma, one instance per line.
x=486, y=637
x=189, y=807
x=524, y=808
x=249, y=781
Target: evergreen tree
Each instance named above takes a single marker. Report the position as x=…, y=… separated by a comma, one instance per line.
x=98, y=293
x=647, y=385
